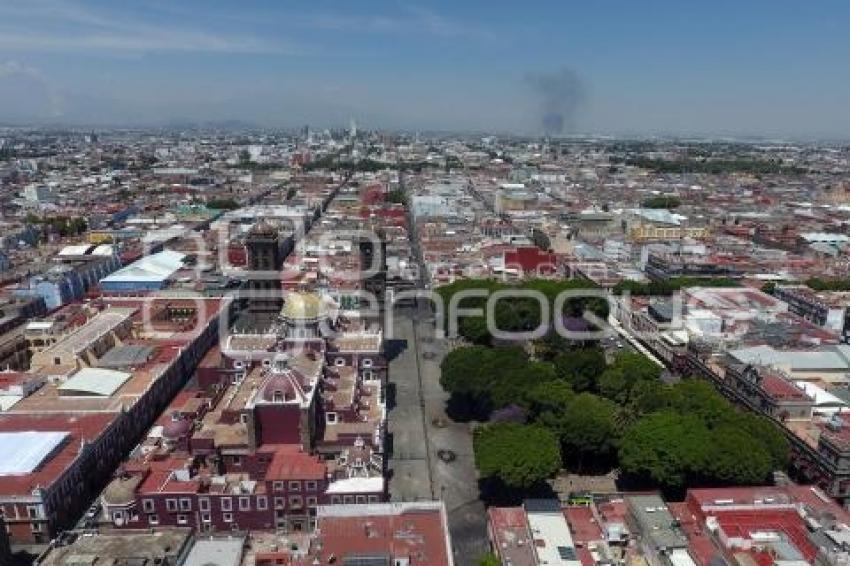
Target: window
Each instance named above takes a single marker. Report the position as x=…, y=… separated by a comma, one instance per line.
x=153, y=520
x=227, y=517
x=182, y=520
x=348, y=499
x=295, y=486
x=236, y=460
x=204, y=503
x=361, y=499
x=295, y=502
x=277, y=486
x=148, y=505
x=373, y=499
x=206, y=518
x=36, y=527
x=32, y=511
x=238, y=364
x=171, y=505
x=279, y=503
x=262, y=503
x=368, y=375
x=57, y=361
x=312, y=501
x=244, y=503
x=335, y=500
x=367, y=363
x=243, y=418
x=339, y=362
x=185, y=504
x=311, y=486
x=330, y=417
x=226, y=504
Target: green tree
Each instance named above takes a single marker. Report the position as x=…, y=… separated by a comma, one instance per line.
x=512, y=385
x=397, y=196
x=222, y=204
x=735, y=457
x=489, y=559
x=618, y=380
x=474, y=329
x=549, y=397
x=649, y=397
x=581, y=368
x=482, y=379
x=664, y=448
x=519, y=456
x=585, y=427
x=615, y=385
x=699, y=398
x=662, y=202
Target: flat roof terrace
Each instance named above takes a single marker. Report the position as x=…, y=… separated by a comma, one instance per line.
x=86, y=335
x=93, y=392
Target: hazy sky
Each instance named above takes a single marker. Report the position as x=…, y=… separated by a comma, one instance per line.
x=766, y=67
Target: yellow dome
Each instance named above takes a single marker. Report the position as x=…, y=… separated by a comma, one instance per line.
x=304, y=306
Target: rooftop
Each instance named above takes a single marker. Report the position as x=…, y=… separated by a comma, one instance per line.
x=157, y=267
x=95, y=381
x=119, y=548
x=21, y=452
x=77, y=429
x=417, y=531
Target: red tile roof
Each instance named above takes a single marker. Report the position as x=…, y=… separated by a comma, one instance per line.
x=415, y=534
x=80, y=427
x=291, y=463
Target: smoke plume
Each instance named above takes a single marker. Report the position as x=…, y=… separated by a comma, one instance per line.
x=559, y=95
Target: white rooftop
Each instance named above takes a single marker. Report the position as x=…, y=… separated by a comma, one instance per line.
x=832, y=359
x=96, y=381
x=357, y=485
x=553, y=542
x=219, y=551
x=22, y=452
x=9, y=401
x=157, y=267
x=824, y=237
x=74, y=250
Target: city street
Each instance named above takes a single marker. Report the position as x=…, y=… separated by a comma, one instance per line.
x=420, y=429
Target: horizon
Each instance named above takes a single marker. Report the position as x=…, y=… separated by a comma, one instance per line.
x=763, y=70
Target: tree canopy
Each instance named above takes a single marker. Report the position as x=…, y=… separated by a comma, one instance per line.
x=819, y=284
x=581, y=368
x=669, y=286
x=585, y=427
x=699, y=438
x=516, y=314
x=482, y=379
x=519, y=456
x=662, y=201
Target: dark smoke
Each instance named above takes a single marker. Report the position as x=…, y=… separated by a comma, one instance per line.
x=559, y=95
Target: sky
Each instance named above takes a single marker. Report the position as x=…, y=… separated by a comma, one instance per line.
x=776, y=68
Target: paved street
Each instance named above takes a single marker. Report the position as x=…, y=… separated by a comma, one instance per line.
x=420, y=428
x=411, y=477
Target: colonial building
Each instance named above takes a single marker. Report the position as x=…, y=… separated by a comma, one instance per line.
x=278, y=424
